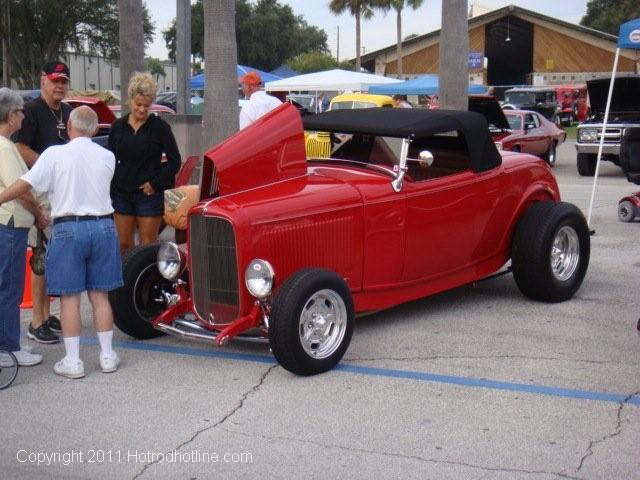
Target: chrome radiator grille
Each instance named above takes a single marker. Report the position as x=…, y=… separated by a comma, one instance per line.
x=214, y=278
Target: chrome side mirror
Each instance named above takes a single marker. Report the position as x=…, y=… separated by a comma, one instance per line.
x=426, y=157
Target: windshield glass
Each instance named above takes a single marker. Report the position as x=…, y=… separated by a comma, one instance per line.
x=364, y=105
x=303, y=100
x=341, y=105
x=519, y=98
x=515, y=122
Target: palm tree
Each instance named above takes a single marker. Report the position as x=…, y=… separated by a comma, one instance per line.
x=131, y=36
x=359, y=9
x=220, y=118
x=454, y=55
x=398, y=6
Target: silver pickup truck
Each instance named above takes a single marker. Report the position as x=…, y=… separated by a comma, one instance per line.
x=623, y=113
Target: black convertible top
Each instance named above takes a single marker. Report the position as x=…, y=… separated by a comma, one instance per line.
x=416, y=123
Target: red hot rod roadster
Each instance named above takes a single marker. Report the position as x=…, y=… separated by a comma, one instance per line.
x=289, y=248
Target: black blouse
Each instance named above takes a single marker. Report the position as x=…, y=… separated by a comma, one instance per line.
x=138, y=155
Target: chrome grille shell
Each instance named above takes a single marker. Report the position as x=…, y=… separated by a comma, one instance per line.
x=213, y=269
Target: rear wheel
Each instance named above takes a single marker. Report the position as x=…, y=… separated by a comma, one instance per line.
x=550, y=156
x=586, y=163
x=627, y=211
x=550, y=251
x=311, y=322
x=140, y=299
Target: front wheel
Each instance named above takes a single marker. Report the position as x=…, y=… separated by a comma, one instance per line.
x=140, y=299
x=626, y=211
x=550, y=251
x=311, y=322
x=586, y=163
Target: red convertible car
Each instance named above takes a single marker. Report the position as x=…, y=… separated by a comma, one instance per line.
x=289, y=249
x=532, y=133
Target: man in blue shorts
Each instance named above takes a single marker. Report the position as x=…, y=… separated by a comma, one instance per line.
x=84, y=252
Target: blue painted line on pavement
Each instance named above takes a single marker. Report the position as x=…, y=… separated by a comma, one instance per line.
x=390, y=373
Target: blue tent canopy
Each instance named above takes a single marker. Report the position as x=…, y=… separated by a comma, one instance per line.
x=424, y=85
x=198, y=82
x=283, y=71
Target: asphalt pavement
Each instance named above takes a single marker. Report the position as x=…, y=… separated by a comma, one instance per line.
x=475, y=383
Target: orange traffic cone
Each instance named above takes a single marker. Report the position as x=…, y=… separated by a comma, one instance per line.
x=27, y=301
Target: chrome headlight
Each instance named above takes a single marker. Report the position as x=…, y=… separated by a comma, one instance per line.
x=258, y=277
x=587, y=135
x=169, y=260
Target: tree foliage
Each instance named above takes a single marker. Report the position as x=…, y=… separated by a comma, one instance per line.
x=41, y=30
x=155, y=67
x=608, y=15
x=267, y=34
x=316, y=62
x=359, y=9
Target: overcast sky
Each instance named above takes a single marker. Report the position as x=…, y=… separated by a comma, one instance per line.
x=378, y=32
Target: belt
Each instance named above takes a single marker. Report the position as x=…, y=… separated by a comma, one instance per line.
x=80, y=218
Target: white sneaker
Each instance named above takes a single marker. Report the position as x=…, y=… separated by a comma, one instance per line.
x=27, y=359
x=69, y=369
x=109, y=363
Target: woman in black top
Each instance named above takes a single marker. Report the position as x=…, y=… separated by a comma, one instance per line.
x=138, y=140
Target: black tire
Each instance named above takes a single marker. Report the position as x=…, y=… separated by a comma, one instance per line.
x=586, y=163
x=627, y=211
x=287, y=311
x=133, y=304
x=551, y=156
x=531, y=252
x=8, y=368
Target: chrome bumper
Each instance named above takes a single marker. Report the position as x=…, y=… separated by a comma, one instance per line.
x=607, y=149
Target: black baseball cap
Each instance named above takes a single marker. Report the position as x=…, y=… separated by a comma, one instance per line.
x=56, y=70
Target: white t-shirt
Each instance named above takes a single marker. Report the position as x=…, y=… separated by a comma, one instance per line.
x=259, y=104
x=77, y=177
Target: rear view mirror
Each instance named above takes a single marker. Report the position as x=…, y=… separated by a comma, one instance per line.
x=426, y=157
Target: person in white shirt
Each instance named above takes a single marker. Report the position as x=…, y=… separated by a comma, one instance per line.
x=84, y=252
x=259, y=102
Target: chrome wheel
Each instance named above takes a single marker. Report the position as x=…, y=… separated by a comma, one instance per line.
x=8, y=368
x=323, y=323
x=626, y=211
x=551, y=156
x=565, y=253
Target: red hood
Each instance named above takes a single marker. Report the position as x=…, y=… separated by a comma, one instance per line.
x=268, y=151
x=105, y=115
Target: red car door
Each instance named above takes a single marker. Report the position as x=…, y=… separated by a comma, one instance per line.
x=534, y=138
x=447, y=222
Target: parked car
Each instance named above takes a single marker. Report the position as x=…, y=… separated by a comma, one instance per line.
x=532, y=133
x=290, y=249
x=537, y=99
x=155, y=109
x=624, y=113
x=573, y=103
x=105, y=114
x=318, y=144
x=351, y=101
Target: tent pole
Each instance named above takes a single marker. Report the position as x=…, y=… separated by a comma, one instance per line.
x=604, y=129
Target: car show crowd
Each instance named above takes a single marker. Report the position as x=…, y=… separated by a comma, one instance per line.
x=83, y=204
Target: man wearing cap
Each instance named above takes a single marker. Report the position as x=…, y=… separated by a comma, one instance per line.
x=259, y=102
x=44, y=125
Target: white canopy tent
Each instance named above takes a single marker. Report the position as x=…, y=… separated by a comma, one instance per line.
x=330, y=80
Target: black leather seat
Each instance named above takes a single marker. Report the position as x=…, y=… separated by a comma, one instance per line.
x=630, y=154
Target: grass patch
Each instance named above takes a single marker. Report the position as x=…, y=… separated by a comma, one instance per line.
x=571, y=132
